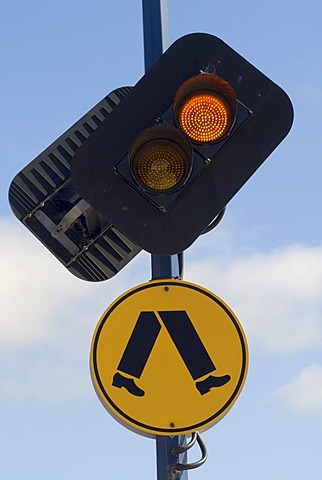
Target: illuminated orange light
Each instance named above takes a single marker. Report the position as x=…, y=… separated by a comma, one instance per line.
x=204, y=118
x=205, y=108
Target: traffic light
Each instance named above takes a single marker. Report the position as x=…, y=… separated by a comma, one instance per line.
x=205, y=108
x=188, y=136
x=43, y=198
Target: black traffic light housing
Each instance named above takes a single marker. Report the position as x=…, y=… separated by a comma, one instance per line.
x=166, y=224
x=43, y=198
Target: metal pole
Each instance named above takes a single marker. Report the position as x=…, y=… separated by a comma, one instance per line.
x=155, y=32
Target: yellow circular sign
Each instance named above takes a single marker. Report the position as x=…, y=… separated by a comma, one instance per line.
x=168, y=357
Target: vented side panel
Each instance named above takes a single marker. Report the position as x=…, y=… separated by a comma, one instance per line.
x=42, y=194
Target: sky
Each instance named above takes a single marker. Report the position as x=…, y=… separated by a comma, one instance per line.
x=58, y=59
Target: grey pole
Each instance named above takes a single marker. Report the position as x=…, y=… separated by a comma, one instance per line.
x=155, y=31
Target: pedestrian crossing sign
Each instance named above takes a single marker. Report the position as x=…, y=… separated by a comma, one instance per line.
x=168, y=357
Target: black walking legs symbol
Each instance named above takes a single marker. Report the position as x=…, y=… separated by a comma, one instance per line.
x=186, y=340
x=137, y=352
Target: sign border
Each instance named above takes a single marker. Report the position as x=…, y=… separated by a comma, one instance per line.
x=135, y=424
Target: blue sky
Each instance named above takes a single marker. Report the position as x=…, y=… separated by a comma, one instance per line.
x=265, y=259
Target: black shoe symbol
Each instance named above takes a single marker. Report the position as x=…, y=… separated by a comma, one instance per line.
x=119, y=381
x=210, y=382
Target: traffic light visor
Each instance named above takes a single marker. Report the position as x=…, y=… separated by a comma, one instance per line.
x=160, y=159
x=205, y=108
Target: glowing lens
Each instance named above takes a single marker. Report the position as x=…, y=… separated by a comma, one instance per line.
x=160, y=159
x=205, y=108
x=204, y=118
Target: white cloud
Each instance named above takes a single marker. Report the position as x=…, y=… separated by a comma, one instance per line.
x=304, y=392
x=48, y=316
x=40, y=299
x=276, y=295
x=31, y=283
